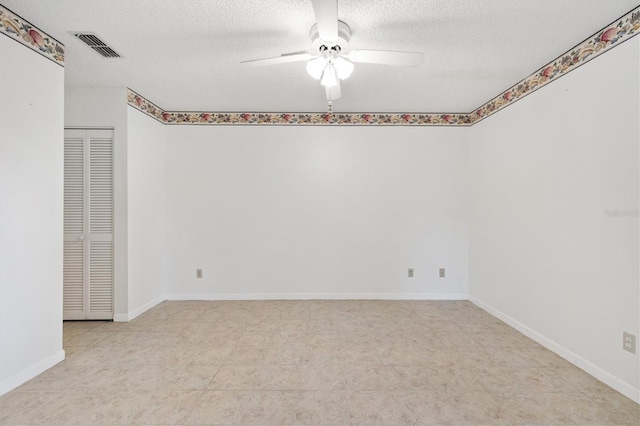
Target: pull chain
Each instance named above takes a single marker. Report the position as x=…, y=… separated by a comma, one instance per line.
x=330, y=107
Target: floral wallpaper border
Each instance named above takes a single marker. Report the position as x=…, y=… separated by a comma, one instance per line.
x=293, y=118
x=24, y=32
x=290, y=118
x=610, y=36
x=142, y=104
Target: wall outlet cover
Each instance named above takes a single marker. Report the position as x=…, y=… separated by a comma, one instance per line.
x=629, y=342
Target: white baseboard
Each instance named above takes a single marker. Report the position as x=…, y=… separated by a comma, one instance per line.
x=138, y=311
x=29, y=373
x=120, y=317
x=604, y=376
x=316, y=296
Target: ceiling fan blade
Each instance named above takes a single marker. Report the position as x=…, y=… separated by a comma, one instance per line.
x=282, y=59
x=387, y=57
x=333, y=92
x=326, y=12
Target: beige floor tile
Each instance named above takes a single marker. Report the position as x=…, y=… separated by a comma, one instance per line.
x=256, y=338
x=209, y=353
x=455, y=340
x=82, y=326
x=482, y=327
x=474, y=408
x=20, y=407
x=289, y=336
x=546, y=357
x=496, y=340
x=270, y=408
x=85, y=409
x=113, y=408
x=365, y=378
x=86, y=338
x=154, y=338
x=321, y=407
x=293, y=324
x=102, y=355
x=614, y=408
x=359, y=354
x=170, y=325
x=168, y=408
x=323, y=355
x=210, y=337
x=533, y=379
x=189, y=376
x=73, y=352
x=256, y=377
x=291, y=354
x=322, y=377
x=65, y=409
x=169, y=355
x=248, y=355
x=219, y=408
x=458, y=379
x=582, y=381
x=359, y=337
x=502, y=357
x=374, y=408
x=76, y=378
x=322, y=337
x=555, y=408
x=405, y=354
x=263, y=324
x=311, y=362
x=418, y=377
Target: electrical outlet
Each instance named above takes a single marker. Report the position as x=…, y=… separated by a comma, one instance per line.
x=198, y=273
x=441, y=273
x=629, y=342
x=410, y=273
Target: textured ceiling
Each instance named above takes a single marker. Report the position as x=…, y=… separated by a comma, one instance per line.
x=186, y=54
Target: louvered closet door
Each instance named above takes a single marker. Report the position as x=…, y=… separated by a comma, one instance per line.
x=88, y=224
x=74, y=229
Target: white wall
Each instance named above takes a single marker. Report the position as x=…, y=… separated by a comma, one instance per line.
x=543, y=255
x=31, y=195
x=87, y=107
x=146, y=205
x=316, y=212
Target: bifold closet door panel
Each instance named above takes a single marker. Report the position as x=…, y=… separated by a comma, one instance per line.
x=100, y=298
x=88, y=224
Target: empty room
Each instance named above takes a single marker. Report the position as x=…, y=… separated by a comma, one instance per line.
x=306, y=212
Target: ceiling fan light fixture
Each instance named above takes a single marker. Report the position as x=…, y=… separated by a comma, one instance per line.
x=316, y=66
x=343, y=67
x=329, y=77
x=326, y=61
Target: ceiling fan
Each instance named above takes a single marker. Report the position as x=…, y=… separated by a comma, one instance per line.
x=329, y=61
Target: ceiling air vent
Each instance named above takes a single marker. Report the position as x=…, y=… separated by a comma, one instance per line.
x=96, y=44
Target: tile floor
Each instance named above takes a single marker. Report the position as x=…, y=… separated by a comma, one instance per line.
x=308, y=363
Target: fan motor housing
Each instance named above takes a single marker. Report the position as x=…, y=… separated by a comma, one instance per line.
x=344, y=35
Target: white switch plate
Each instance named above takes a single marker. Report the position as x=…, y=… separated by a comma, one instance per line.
x=198, y=273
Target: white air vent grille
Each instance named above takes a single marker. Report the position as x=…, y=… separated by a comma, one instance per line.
x=96, y=44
